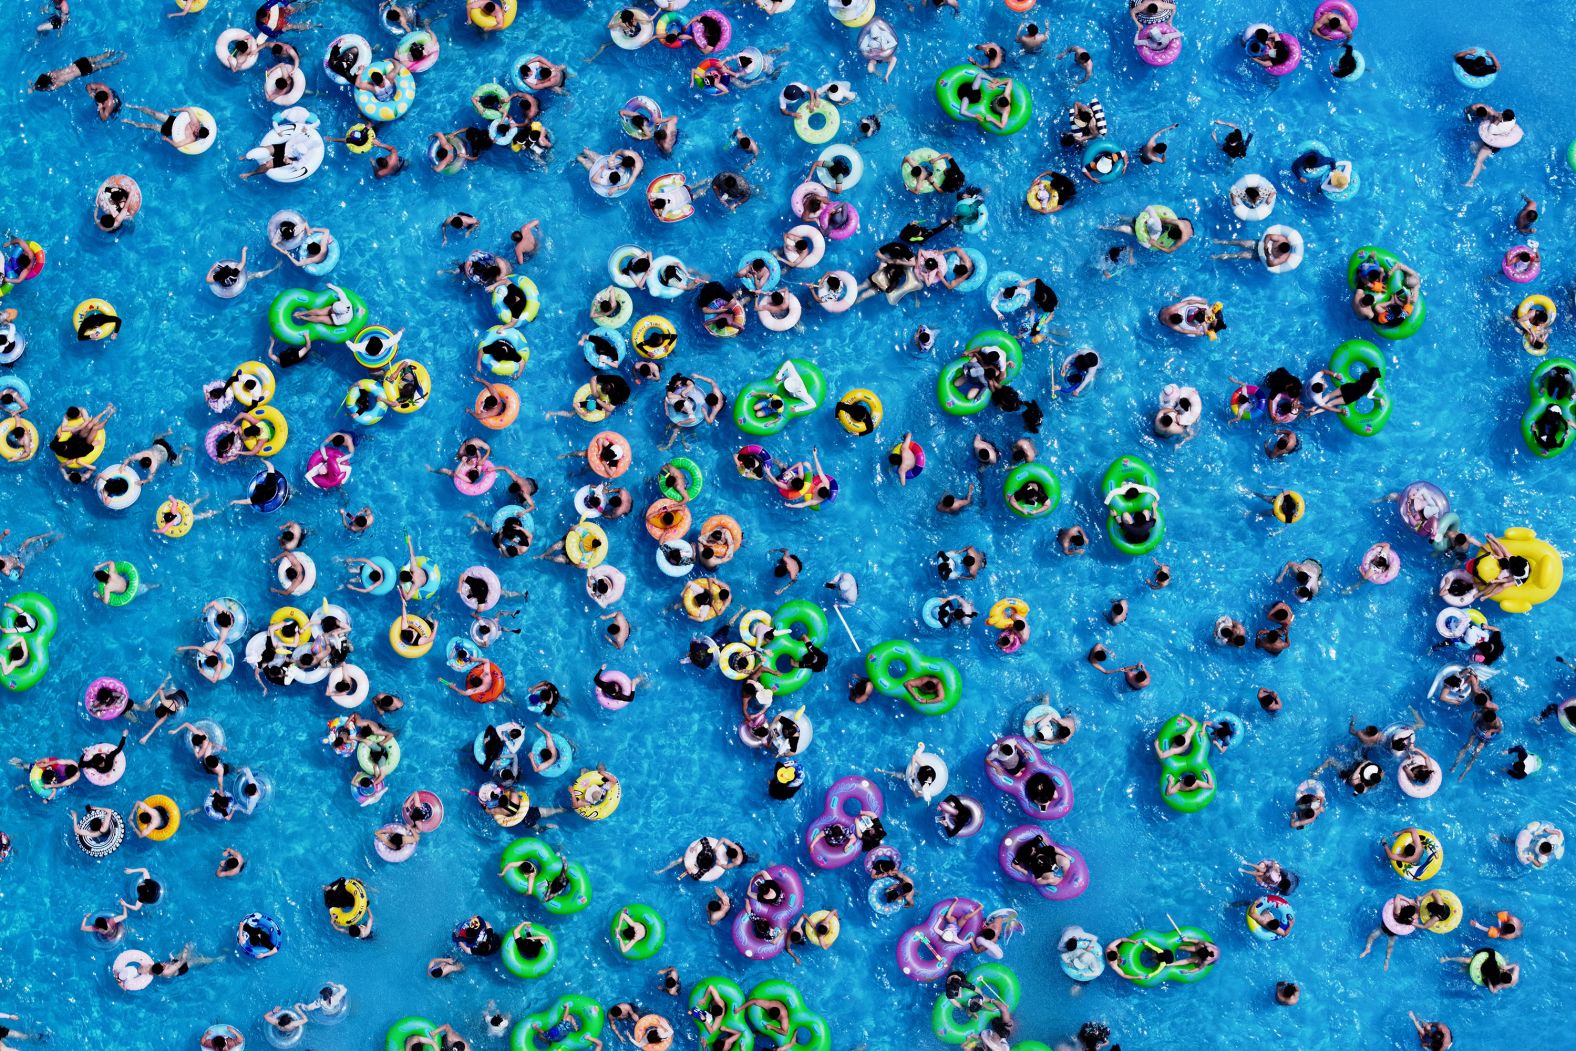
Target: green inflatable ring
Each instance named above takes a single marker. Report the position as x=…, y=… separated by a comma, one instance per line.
x=878, y=669
x=1394, y=283
x=951, y=399
x=292, y=333
x=747, y=414
x=133, y=582
x=519, y=965
x=924, y=157
x=404, y=1029
x=1369, y=418
x=787, y=680
x=586, y=1012
x=693, y=479
x=1120, y=498
x=1130, y=961
x=811, y=623
x=33, y=640
x=1194, y=761
x=802, y=613
x=650, y=943
x=1544, y=400
x=530, y=849
x=1477, y=962
x=951, y=82
x=732, y=998
x=1020, y=476
x=491, y=101
x=953, y=1025
x=807, y=1030
x=370, y=765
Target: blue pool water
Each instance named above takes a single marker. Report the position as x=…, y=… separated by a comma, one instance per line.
x=1459, y=390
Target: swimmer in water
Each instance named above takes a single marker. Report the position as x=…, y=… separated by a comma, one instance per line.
x=1154, y=151
x=1527, y=217
x=951, y=505
x=788, y=567
x=59, y=78
x=525, y=241
x=1082, y=58
x=105, y=101
x=1235, y=144
x=990, y=55
x=12, y=565
x=460, y=223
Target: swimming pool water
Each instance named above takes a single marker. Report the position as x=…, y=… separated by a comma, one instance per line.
x=1459, y=389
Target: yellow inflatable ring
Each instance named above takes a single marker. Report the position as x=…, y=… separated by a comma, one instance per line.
x=423, y=385
x=289, y=626
x=822, y=918
x=817, y=124
x=357, y=908
x=1453, y=912
x=859, y=396
x=15, y=434
x=585, y=545
x=82, y=461
x=1426, y=867
x=107, y=324
x=1525, y=307
x=1003, y=613
x=252, y=385
x=754, y=625
x=600, y=810
x=709, y=588
x=737, y=661
x=160, y=804
x=1298, y=506
x=423, y=629
x=488, y=23
x=586, y=407
x=276, y=431
x=655, y=337
x=184, y=518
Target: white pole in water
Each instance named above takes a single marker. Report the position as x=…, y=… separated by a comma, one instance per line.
x=839, y=611
x=846, y=588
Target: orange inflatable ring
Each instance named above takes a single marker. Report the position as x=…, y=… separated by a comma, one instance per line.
x=667, y=520
x=503, y=394
x=602, y=443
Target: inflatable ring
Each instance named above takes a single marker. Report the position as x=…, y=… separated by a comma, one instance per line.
x=654, y=336
x=1430, y=858
x=401, y=1033
x=149, y=826
x=1021, y=476
x=378, y=758
x=488, y=21
x=654, y=932
x=422, y=629
x=530, y=967
x=694, y=481
x=1003, y=613
x=94, y=319
x=516, y=299
x=205, y=121
x=420, y=381
x=374, y=347
x=19, y=440
x=604, y=807
x=817, y=124
x=859, y=427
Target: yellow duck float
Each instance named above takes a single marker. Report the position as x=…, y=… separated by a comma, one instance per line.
x=1548, y=570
